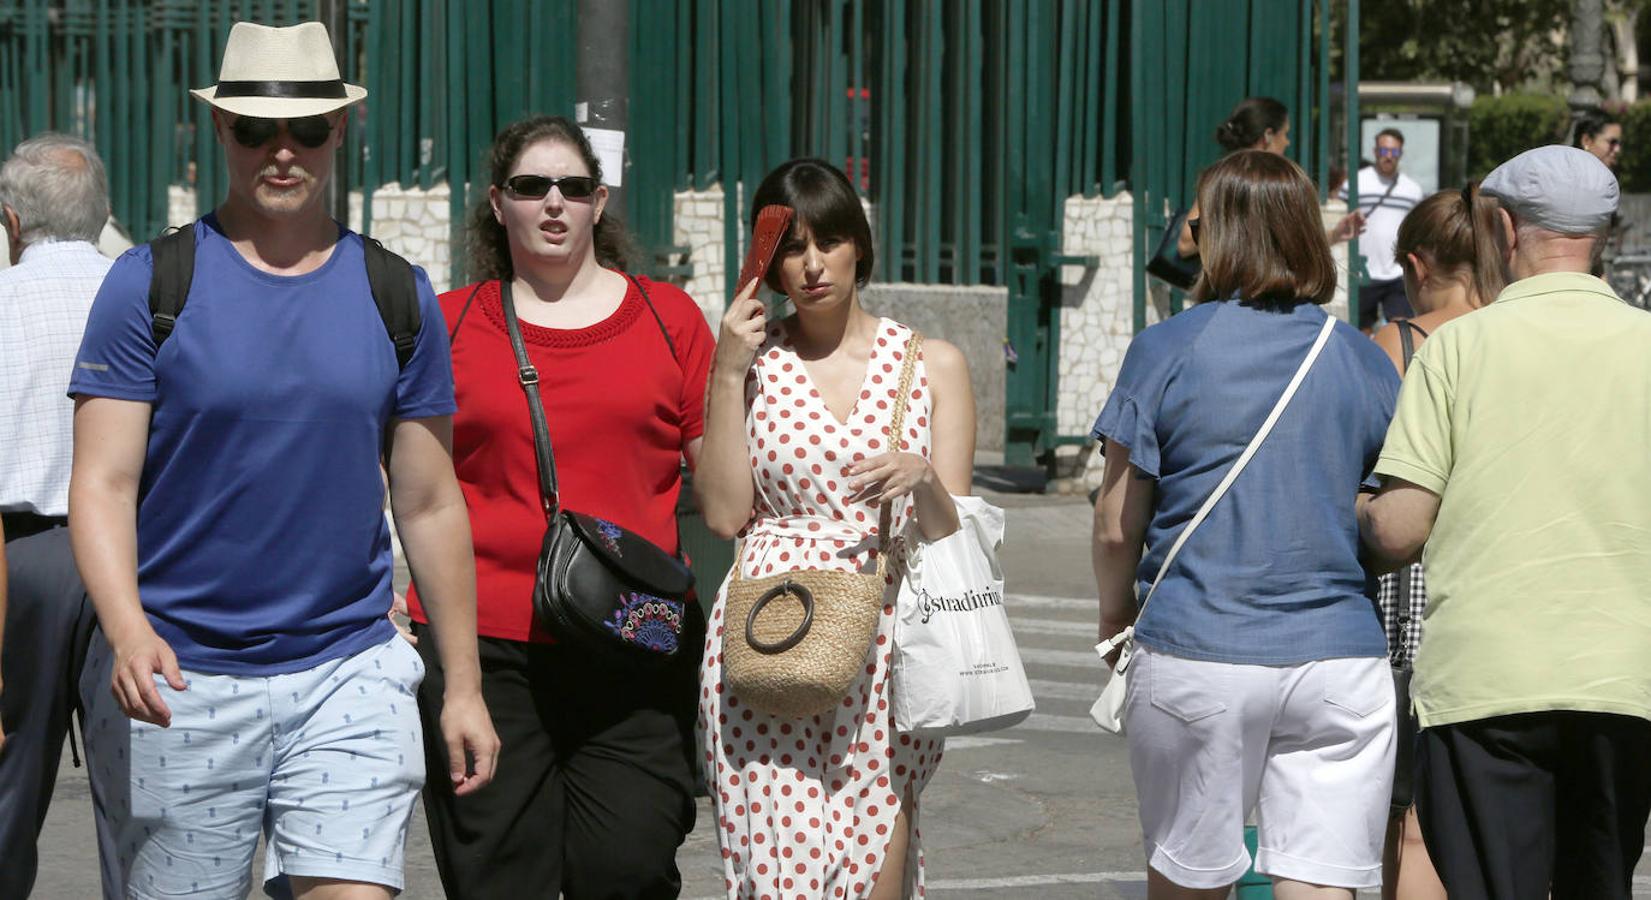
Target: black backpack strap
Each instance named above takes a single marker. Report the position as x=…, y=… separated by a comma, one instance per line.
x=396, y=293
x=173, y=268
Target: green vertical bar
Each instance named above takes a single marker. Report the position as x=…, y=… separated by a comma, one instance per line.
x=1302, y=111
x=428, y=134
x=894, y=211
x=683, y=111
x=457, y=149
x=35, y=35
x=959, y=93
x=778, y=100
x=1324, y=95
x=1350, y=87
x=857, y=87
x=144, y=133
x=161, y=125
x=707, y=106
x=975, y=151
x=729, y=145
x=1066, y=78
x=749, y=65
x=1138, y=177
x=387, y=109
x=407, y=55
x=933, y=109
x=11, y=116
x=1110, y=173
x=479, y=103
x=125, y=162
x=372, y=161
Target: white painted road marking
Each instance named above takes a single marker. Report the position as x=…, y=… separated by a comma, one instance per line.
x=1061, y=627
x=1076, y=659
x=1043, y=601
x=1064, y=690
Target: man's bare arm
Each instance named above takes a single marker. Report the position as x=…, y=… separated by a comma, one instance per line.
x=1396, y=523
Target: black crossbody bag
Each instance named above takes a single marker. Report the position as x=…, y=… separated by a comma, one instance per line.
x=597, y=583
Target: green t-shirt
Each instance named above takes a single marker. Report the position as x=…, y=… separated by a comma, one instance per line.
x=1531, y=419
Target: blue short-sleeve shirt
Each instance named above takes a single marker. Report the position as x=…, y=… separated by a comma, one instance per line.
x=262, y=542
x=1273, y=576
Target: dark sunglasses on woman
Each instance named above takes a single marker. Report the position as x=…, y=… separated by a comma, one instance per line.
x=253, y=132
x=535, y=187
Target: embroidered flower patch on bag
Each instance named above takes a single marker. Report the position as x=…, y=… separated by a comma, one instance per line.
x=648, y=621
x=610, y=535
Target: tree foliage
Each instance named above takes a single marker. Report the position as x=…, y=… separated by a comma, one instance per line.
x=1490, y=44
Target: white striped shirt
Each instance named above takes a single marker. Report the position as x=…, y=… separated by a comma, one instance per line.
x=44, y=300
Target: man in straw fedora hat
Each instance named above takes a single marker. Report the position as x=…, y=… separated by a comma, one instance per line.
x=226, y=510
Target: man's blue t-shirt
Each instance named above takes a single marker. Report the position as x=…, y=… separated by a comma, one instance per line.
x=1273, y=576
x=262, y=543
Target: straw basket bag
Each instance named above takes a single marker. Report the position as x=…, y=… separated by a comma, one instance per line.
x=797, y=640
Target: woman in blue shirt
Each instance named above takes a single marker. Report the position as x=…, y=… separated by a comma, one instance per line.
x=1261, y=681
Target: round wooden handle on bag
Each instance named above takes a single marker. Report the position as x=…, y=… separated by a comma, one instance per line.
x=794, y=638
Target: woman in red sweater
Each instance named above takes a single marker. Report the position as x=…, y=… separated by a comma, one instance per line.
x=595, y=785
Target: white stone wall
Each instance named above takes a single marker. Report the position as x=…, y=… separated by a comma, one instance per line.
x=414, y=223
x=180, y=205
x=1097, y=322
x=699, y=227
x=411, y=222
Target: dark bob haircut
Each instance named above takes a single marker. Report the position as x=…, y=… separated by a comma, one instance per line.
x=825, y=205
x=1263, y=235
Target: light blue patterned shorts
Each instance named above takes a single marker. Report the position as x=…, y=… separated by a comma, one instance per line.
x=326, y=763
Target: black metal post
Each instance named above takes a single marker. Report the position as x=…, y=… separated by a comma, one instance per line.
x=604, y=83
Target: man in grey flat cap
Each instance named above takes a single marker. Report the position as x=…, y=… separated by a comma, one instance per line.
x=1518, y=456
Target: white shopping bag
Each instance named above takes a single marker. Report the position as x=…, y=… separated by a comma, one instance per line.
x=956, y=669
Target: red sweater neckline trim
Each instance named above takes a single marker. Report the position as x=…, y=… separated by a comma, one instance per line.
x=614, y=325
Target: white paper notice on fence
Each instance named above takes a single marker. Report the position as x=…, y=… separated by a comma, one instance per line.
x=609, y=146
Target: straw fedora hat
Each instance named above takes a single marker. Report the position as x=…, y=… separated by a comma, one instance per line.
x=279, y=73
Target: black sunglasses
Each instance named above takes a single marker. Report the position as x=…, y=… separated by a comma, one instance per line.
x=535, y=187
x=253, y=132
x=1196, y=225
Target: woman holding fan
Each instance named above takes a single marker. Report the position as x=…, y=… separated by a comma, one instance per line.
x=827, y=432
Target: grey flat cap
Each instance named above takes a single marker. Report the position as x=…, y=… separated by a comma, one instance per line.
x=1563, y=189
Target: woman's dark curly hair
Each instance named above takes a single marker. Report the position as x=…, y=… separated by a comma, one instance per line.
x=489, y=245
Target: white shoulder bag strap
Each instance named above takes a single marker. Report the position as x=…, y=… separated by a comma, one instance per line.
x=1108, y=710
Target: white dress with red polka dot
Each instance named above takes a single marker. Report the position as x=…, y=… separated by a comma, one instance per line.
x=806, y=807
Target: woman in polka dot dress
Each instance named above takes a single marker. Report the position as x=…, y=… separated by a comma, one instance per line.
x=798, y=462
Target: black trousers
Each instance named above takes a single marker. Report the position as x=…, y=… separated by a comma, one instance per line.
x=1530, y=806
x=49, y=622
x=1385, y=297
x=595, y=785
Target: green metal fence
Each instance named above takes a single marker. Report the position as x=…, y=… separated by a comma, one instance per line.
x=1193, y=62
x=116, y=72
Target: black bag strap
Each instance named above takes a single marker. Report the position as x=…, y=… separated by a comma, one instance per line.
x=389, y=276
x=173, y=269
x=543, y=456
x=1407, y=343
x=657, y=320
x=395, y=291
x=464, y=311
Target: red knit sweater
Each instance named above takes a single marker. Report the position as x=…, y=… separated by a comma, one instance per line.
x=620, y=411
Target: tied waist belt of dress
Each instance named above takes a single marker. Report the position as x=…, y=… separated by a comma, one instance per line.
x=814, y=529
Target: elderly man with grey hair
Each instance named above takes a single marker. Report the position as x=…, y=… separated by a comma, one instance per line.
x=54, y=201
x=1518, y=455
